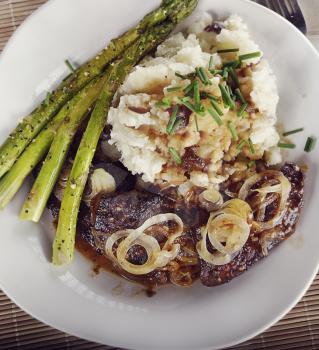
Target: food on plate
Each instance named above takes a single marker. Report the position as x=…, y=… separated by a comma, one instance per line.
x=163, y=162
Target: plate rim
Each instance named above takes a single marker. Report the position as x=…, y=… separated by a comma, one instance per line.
x=231, y=343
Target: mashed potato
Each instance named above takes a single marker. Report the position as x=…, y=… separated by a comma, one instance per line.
x=200, y=150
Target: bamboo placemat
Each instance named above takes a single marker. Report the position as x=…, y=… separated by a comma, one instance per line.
x=298, y=330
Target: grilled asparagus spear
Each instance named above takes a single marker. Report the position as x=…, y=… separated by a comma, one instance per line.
x=31, y=125
x=12, y=181
x=63, y=247
x=43, y=186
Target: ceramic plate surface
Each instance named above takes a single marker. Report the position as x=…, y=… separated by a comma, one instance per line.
x=102, y=308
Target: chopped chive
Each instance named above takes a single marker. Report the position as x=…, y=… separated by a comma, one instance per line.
x=178, y=122
x=198, y=110
x=216, y=71
x=286, y=145
x=226, y=97
x=291, y=132
x=172, y=89
x=202, y=76
x=240, y=96
x=204, y=94
x=251, y=146
x=232, y=130
x=196, y=95
x=199, y=74
x=227, y=50
x=210, y=65
x=310, y=144
x=185, y=76
x=196, y=122
x=165, y=103
x=211, y=97
x=189, y=105
x=229, y=90
x=67, y=77
x=215, y=115
x=233, y=75
x=225, y=73
x=251, y=164
x=189, y=89
x=248, y=56
x=179, y=75
x=234, y=64
x=216, y=107
x=68, y=63
x=176, y=156
x=47, y=98
x=242, y=110
x=241, y=144
x=172, y=120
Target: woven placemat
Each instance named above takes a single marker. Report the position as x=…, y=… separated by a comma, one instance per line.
x=298, y=330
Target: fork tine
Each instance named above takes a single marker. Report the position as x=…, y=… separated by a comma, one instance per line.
x=284, y=9
x=274, y=5
x=297, y=17
x=269, y=5
x=294, y=5
x=289, y=9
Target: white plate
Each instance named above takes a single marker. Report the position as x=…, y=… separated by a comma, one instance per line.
x=90, y=307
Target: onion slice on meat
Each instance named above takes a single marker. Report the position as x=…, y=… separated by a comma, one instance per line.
x=156, y=257
x=227, y=231
x=211, y=199
x=216, y=258
x=283, y=189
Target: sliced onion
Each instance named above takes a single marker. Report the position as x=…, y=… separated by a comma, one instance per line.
x=229, y=229
x=100, y=181
x=211, y=199
x=216, y=258
x=230, y=194
x=152, y=248
x=283, y=189
x=262, y=209
x=156, y=257
x=237, y=207
x=268, y=189
x=113, y=239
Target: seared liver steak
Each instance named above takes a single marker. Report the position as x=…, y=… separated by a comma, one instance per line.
x=253, y=250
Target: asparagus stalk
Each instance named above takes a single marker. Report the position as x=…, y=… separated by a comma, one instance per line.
x=63, y=246
x=43, y=186
x=31, y=125
x=13, y=180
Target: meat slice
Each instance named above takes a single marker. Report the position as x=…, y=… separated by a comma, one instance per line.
x=259, y=243
x=127, y=211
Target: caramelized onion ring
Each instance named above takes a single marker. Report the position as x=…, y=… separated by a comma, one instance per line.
x=227, y=231
x=283, y=189
x=216, y=258
x=156, y=257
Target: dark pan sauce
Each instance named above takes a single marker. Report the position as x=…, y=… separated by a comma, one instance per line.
x=100, y=262
x=132, y=208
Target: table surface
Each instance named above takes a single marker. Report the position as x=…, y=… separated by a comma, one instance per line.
x=297, y=330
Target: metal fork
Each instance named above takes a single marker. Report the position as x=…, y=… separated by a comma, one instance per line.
x=289, y=9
